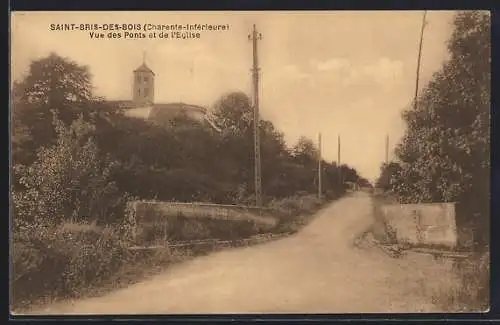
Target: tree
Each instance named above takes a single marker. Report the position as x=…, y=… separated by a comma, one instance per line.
x=364, y=183
x=388, y=175
x=68, y=181
x=304, y=152
x=445, y=151
x=52, y=83
x=21, y=134
x=233, y=113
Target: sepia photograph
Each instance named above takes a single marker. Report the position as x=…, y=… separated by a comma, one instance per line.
x=246, y=162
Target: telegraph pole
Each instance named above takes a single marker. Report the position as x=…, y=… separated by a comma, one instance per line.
x=338, y=150
x=387, y=149
x=338, y=159
x=254, y=37
x=419, y=57
x=319, y=167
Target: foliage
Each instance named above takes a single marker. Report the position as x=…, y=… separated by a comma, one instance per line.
x=53, y=84
x=305, y=152
x=294, y=212
x=68, y=181
x=444, y=155
x=388, y=173
x=471, y=293
x=64, y=259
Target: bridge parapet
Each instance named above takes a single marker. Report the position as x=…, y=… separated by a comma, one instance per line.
x=161, y=214
x=423, y=224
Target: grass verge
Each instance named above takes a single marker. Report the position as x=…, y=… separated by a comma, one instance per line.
x=470, y=291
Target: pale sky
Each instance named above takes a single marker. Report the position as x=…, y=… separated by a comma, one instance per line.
x=347, y=73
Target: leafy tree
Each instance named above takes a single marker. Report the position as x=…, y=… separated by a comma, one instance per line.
x=20, y=133
x=445, y=151
x=365, y=183
x=388, y=175
x=274, y=157
x=233, y=113
x=349, y=174
x=52, y=83
x=68, y=181
x=332, y=176
x=304, y=151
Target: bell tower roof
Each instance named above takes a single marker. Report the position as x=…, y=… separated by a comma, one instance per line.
x=144, y=68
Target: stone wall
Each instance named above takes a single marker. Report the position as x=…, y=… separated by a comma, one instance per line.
x=165, y=215
x=423, y=224
x=147, y=210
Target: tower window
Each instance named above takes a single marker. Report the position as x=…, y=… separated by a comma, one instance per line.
x=139, y=92
x=146, y=91
x=138, y=78
x=145, y=79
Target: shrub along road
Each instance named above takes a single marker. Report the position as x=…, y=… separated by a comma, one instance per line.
x=318, y=270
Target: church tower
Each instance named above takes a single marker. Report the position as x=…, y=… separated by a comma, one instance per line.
x=144, y=85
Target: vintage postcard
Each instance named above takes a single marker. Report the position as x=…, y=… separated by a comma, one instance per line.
x=250, y=162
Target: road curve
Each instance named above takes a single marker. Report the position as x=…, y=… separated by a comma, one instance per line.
x=317, y=270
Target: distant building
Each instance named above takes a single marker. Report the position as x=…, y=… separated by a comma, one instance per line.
x=142, y=104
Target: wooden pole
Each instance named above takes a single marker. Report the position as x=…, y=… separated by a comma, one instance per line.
x=320, y=190
x=255, y=74
x=338, y=150
x=386, y=149
x=419, y=58
x=338, y=160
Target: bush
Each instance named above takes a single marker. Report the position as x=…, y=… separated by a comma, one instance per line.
x=332, y=195
x=68, y=181
x=295, y=205
x=68, y=185
x=96, y=256
x=471, y=292
x=475, y=283
x=65, y=259
x=294, y=212
x=289, y=206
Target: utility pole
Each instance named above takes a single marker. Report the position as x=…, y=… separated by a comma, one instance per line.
x=338, y=150
x=387, y=149
x=419, y=57
x=254, y=37
x=320, y=190
x=338, y=160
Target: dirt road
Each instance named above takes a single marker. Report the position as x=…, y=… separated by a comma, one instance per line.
x=318, y=270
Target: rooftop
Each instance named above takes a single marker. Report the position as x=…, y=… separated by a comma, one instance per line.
x=144, y=68
x=163, y=111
